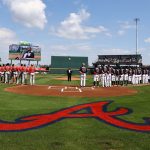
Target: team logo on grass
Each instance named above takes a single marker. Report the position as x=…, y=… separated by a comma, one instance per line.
x=97, y=110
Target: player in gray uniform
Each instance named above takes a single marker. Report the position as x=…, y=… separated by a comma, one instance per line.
x=83, y=71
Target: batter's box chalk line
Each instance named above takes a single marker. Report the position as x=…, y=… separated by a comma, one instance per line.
x=54, y=87
x=76, y=89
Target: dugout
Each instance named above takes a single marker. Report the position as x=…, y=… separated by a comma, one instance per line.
x=59, y=64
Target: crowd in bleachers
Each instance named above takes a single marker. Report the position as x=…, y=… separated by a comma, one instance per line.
x=117, y=60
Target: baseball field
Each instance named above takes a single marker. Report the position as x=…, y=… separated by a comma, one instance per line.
x=74, y=118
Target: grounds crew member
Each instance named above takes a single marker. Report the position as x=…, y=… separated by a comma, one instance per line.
x=83, y=71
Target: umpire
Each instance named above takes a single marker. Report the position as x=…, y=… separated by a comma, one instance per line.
x=69, y=74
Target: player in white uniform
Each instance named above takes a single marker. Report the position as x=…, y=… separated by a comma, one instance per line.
x=126, y=77
x=130, y=76
x=144, y=77
x=122, y=77
x=134, y=77
x=83, y=71
x=113, y=77
x=108, y=78
x=117, y=76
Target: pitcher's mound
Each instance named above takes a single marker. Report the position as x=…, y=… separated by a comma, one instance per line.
x=44, y=90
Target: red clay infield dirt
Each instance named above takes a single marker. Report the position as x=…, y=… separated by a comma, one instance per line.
x=43, y=90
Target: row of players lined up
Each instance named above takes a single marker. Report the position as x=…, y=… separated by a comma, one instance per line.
x=108, y=76
x=17, y=74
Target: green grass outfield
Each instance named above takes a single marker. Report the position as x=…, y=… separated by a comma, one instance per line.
x=72, y=134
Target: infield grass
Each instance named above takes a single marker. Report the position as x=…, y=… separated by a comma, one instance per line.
x=72, y=134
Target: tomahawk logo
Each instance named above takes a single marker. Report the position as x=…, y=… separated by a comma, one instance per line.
x=97, y=110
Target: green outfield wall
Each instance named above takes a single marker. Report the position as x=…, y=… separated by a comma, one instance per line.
x=59, y=64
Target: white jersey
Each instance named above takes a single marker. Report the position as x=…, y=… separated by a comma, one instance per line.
x=126, y=77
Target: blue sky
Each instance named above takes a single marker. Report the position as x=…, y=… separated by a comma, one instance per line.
x=76, y=27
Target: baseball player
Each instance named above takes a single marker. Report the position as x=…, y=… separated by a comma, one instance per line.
x=96, y=76
x=144, y=76
x=134, y=77
x=126, y=77
x=148, y=76
x=117, y=76
x=103, y=79
x=1, y=74
x=139, y=75
x=3, y=68
x=108, y=78
x=7, y=73
x=24, y=75
x=113, y=77
x=121, y=80
x=32, y=74
x=130, y=76
x=21, y=75
x=13, y=73
x=83, y=71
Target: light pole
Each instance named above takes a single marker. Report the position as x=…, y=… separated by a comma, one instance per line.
x=136, y=22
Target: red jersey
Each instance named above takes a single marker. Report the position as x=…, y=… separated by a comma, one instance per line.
x=21, y=68
x=18, y=68
x=8, y=68
x=2, y=68
x=32, y=69
x=15, y=68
